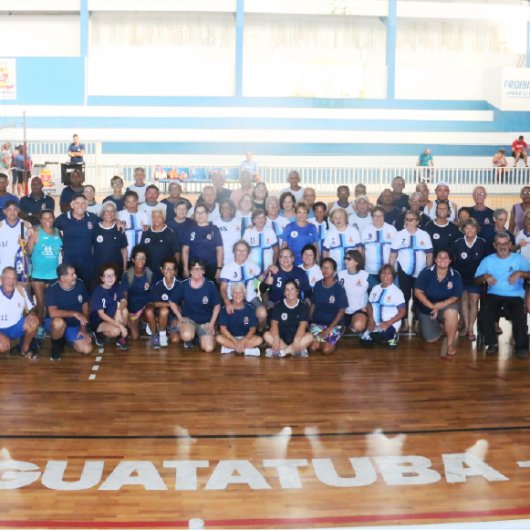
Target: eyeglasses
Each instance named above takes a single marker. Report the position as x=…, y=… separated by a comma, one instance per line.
x=142, y=258
x=117, y=184
x=481, y=194
x=272, y=205
x=348, y=258
x=525, y=193
x=175, y=188
x=409, y=219
x=169, y=268
x=241, y=250
x=286, y=256
x=109, y=275
x=195, y=269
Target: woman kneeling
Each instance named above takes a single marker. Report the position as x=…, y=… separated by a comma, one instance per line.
x=289, y=319
x=239, y=327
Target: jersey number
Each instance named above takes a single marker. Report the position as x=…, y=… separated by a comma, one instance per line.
x=279, y=283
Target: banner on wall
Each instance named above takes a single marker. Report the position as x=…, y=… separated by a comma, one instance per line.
x=515, y=89
x=8, y=79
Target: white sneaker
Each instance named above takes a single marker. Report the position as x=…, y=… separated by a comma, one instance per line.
x=366, y=336
x=163, y=342
x=148, y=330
x=270, y=353
x=253, y=352
x=226, y=350
x=302, y=353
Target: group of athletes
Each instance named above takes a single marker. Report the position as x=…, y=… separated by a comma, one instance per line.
x=241, y=268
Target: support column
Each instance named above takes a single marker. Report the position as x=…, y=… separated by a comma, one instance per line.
x=391, y=22
x=240, y=27
x=84, y=28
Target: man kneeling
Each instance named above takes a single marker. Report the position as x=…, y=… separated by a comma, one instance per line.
x=67, y=312
x=289, y=318
x=13, y=323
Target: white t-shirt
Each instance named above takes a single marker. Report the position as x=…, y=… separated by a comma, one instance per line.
x=212, y=215
x=377, y=246
x=230, y=233
x=386, y=304
x=248, y=273
x=360, y=222
x=134, y=223
x=12, y=309
x=314, y=274
x=524, y=251
x=412, y=250
x=262, y=244
x=9, y=236
x=95, y=209
x=297, y=194
x=149, y=209
x=322, y=232
x=140, y=190
x=356, y=287
x=338, y=243
x=278, y=226
x=349, y=209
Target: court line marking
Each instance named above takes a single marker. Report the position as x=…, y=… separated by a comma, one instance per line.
x=92, y=377
x=98, y=359
x=101, y=350
x=95, y=368
x=245, y=436
x=279, y=521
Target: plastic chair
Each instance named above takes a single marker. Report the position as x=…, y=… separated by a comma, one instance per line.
x=198, y=175
x=232, y=174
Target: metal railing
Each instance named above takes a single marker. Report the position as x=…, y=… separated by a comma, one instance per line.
x=325, y=180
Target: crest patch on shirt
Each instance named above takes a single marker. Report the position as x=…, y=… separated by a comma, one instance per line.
x=284, y=316
x=80, y=298
x=294, y=234
x=147, y=240
x=463, y=255
x=450, y=285
x=164, y=297
x=331, y=299
x=205, y=300
x=209, y=236
x=99, y=239
x=435, y=236
x=245, y=320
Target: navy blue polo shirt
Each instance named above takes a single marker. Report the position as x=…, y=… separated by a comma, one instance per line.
x=197, y=304
x=466, y=259
x=67, y=300
x=328, y=301
x=108, y=244
x=277, y=289
x=162, y=293
x=120, y=203
x=72, y=148
x=77, y=237
x=203, y=242
x=106, y=299
x=392, y=215
x=159, y=246
x=180, y=229
x=483, y=217
x=436, y=291
x=68, y=194
x=171, y=206
x=139, y=293
x=289, y=318
x=488, y=234
x=240, y=321
x=401, y=204
x=442, y=237
x=35, y=206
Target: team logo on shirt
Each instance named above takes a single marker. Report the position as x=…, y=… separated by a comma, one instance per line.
x=510, y=269
x=164, y=297
x=245, y=321
x=205, y=300
x=294, y=234
x=463, y=255
x=147, y=240
x=115, y=296
x=435, y=236
x=358, y=283
x=146, y=286
x=89, y=224
x=313, y=279
x=80, y=298
x=238, y=227
x=284, y=316
x=43, y=206
x=250, y=271
x=387, y=236
x=370, y=236
x=403, y=209
x=267, y=242
x=389, y=298
x=450, y=285
x=422, y=243
x=209, y=236
x=331, y=299
x=99, y=239
x=486, y=221
x=350, y=239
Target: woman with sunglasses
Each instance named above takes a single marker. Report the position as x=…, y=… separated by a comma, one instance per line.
x=203, y=242
x=109, y=315
x=197, y=304
x=44, y=247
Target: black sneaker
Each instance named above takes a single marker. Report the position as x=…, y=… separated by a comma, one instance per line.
x=55, y=356
x=122, y=344
x=492, y=349
x=100, y=338
x=522, y=353
x=188, y=344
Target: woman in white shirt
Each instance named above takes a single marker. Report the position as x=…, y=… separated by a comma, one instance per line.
x=230, y=228
x=274, y=221
x=90, y=195
x=262, y=240
x=309, y=265
x=244, y=214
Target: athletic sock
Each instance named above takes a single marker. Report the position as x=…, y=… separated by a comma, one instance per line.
x=162, y=334
x=57, y=345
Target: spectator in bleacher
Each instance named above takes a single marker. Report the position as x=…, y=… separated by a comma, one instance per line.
x=151, y=202
x=361, y=217
x=203, y=242
x=259, y=195
x=208, y=199
x=4, y=194
x=245, y=182
x=504, y=273
x=76, y=151
x=522, y=241
x=90, y=195
x=468, y=252
x=250, y=166
x=23, y=171
x=230, y=228
x=499, y=160
x=343, y=194
x=519, y=211
x=443, y=233
x=175, y=190
x=480, y=211
x=414, y=206
x=218, y=181
x=309, y=197
x=424, y=190
x=519, y=150
x=139, y=184
x=68, y=193
x=321, y=222
x=437, y=291
x=287, y=206
x=411, y=248
x=442, y=194
x=425, y=159
x=488, y=232
x=377, y=239
x=328, y=306
x=387, y=203
x=135, y=221
x=117, y=196
x=294, y=186
x=274, y=220
x=300, y=233
x=244, y=213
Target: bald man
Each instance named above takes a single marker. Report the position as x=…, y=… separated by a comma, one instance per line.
x=33, y=204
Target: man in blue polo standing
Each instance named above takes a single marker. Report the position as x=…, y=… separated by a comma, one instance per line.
x=76, y=151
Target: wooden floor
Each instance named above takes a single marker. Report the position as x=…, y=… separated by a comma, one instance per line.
x=142, y=404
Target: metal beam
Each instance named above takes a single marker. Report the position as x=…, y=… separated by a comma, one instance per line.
x=240, y=27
